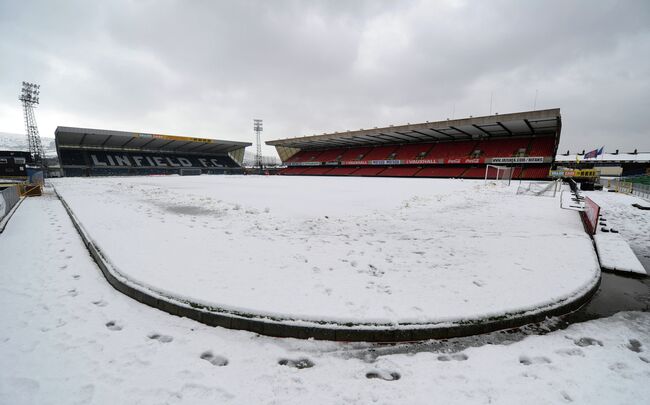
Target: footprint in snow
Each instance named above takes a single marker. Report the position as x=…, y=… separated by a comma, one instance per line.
x=160, y=338
x=384, y=375
x=112, y=325
x=527, y=361
x=298, y=363
x=634, y=345
x=587, y=341
x=100, y=303
x=215, y=360
x=571, y=352
x=455, y=356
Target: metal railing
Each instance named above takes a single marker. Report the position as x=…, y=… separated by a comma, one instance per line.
x=627, y=187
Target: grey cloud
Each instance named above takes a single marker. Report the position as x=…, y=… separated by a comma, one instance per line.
x=207, y=68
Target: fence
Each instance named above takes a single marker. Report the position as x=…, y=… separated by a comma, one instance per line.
x=8, y=198
x=627, y=187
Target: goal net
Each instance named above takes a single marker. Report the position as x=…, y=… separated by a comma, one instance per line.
x=499, y=174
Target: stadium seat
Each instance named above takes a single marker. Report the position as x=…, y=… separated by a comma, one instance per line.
x=413, y=151
x=293, y=170
x=317, y=171
x=342, y=171
x=453, y=171
x=355, y=154
x=331, y=155
x=452, y=150
x=380, y=153
x=406, y=171
x=535, y=172
x=304, y=156
x=474, y=173
x=543, y=146
x=502, y=147
x=369, y=171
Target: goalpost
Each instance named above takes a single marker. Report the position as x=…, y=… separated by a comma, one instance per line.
x=499, y=173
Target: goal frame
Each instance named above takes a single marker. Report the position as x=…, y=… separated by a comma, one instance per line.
x=507, y=170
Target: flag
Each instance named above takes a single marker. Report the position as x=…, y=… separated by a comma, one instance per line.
x=591, y=154
x=600, y=151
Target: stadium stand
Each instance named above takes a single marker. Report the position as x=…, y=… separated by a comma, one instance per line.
x=452, y=148
x=13, y=164
x=369, y=171
x=408, y=171
x=342, y=171
x=542, y=146
x=413, y=151
x=354, y=153
x=474, y=173
x=98, y=152
x=441, y=172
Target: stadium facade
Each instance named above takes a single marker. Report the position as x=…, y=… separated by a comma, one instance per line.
x=13, y=164
x=461, y=148
x=99, y=152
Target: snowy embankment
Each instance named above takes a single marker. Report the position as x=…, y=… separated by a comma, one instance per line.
x=359, y=250
x=67, y=337
x=632, y=223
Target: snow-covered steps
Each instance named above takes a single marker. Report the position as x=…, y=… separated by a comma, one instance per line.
x=616, y=255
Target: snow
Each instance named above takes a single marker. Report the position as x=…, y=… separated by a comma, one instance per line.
x=606, y=157
x=56, y=347
x=632, y=223
x=356, y=250
x=615, y=254
x=18, y=142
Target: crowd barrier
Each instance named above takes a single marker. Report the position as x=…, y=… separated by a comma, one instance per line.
x=9, y=197
x=627, y=187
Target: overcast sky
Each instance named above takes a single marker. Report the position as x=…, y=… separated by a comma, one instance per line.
x=207, y=68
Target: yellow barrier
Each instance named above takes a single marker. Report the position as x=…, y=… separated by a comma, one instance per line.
x=30, y=190
x=578, y=173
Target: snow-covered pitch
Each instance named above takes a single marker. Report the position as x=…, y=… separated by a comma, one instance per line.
x=342, y=250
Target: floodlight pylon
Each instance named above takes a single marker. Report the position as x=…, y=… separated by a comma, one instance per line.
x=29, y=96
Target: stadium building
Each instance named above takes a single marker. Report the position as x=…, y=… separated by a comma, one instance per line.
x=13, y=164
x=461, y=148
x=99, y=152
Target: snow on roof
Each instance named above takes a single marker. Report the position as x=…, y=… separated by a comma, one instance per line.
x=640, y=157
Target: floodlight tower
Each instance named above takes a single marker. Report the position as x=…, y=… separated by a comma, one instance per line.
x=29, y=96
x=257, y=127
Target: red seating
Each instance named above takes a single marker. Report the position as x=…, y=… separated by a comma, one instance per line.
x=441, y=172
x=535, y=172
x=544, y=146
x=405, y=171
x=355, y=153
x=502, y=147
x=380, y=153
x=450, y=150
x=516, y=173
x=369, y=171
x=305, y=156
x=293, y=170
x=413, y=151
x=317, y=171
x=474, y=173
x=330, y=155
x=342, y=171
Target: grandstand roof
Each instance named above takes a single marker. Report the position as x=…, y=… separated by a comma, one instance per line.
x=498, y=125
x=107, y=139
